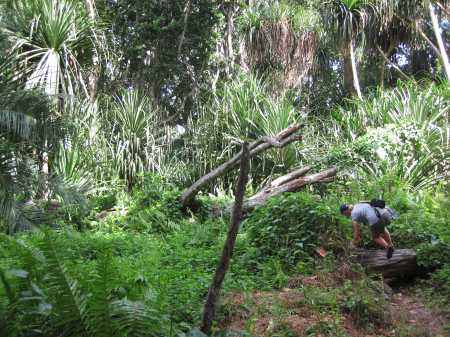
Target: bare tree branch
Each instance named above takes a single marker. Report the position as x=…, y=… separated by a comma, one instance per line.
x=224, y=262
x=283, y=138
x=393, y=65
x=187, y=10
x=287, y=183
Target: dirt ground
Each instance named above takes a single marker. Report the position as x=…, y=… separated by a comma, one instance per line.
x=408, y=315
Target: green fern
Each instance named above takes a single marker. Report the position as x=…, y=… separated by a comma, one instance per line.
x=100, y=312
x=134, y=319
x=69, y=304
x=62, y=307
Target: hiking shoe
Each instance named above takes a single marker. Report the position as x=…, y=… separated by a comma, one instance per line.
x=390, y=251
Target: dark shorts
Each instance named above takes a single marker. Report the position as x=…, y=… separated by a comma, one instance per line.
x=378, y=228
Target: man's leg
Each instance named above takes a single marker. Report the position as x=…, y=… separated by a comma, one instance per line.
x=380, y=241
x=387, y=237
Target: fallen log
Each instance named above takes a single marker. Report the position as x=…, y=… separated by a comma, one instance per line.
x=282, y=139
x=402, y=265
x=290, y=176
x=290, y=182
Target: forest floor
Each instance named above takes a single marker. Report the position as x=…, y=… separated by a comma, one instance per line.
x=410, y=306
x=312, y=307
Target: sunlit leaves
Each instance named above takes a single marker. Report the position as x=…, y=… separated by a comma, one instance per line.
x=48, y=38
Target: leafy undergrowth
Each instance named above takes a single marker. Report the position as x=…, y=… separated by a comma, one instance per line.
x=337, y=302
x=141, y=254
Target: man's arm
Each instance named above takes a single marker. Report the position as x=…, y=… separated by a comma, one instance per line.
x=356, y=237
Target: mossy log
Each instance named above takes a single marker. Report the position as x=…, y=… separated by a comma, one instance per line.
x=402, y=265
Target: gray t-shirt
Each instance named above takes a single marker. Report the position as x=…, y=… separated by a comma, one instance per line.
x=364, y=213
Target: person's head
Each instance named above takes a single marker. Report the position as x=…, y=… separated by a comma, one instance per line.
x=346, y=210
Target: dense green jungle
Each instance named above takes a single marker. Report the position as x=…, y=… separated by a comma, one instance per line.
x=178, y=168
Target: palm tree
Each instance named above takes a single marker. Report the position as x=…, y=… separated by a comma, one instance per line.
x=49, y=41
x=436, y=29
x=349, y=18
x=279, y=40
x=403, y=21
x=28, y=129
x=137, y=136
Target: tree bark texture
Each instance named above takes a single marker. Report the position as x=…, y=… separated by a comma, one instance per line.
x=95, y=73
x=354, y=71
x=402, y=265
x=187, y=10
x=291, y=182
x=224, y=262
x=230, y=9
x=282, y=139
x=348, y=72
x=437, y=33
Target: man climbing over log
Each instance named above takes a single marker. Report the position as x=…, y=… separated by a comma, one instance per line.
x=377, y=218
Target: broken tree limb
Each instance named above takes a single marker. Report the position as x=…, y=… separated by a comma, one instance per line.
x=283, y=138
x=288, y=184
x=290, y=176
x=227, y=252
x=403, y=263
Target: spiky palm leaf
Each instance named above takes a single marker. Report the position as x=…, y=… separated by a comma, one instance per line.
x=349, y=17
x=71, y=179
x=47, y=39
x=134, y=127
x=417, y=112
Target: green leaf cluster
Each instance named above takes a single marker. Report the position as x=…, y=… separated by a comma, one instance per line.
x=292, y=226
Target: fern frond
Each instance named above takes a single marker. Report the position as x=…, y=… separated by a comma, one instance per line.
x=100, y=322
x=134, y=319
x=69, y=305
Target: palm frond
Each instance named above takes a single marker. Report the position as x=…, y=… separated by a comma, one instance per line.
x=47, y=38
x=136, y=137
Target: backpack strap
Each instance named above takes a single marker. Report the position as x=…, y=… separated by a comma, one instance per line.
x=377, y=212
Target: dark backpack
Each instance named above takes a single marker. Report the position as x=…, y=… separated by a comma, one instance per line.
x=387, y=213
x=379, y=203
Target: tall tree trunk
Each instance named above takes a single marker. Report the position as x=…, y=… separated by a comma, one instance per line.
x=95, y=73
x=44, y=191
x=348, y=73
x=385, y=59
x=355, y=73
x=437, y=33
x=230, y=11
x=224, y=262
x=187, y=10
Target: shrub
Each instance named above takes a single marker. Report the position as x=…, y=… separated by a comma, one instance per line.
x=81, y=303
x=363, y=302
x=292, y=226
x=442, y=279
x=154, y=206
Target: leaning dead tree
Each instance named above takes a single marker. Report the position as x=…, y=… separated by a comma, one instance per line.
x=224, y=262
x=290, y=182
x=402, y=265
x=282, y=139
